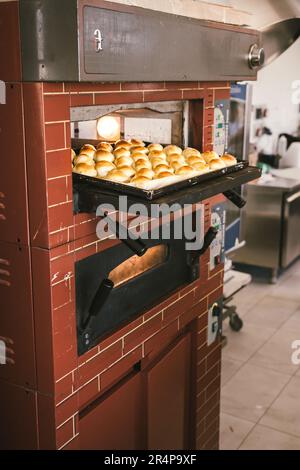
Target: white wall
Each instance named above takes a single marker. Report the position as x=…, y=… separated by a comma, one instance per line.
x=274, y=90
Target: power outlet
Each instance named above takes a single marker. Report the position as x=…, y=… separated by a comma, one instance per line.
x=214, y=323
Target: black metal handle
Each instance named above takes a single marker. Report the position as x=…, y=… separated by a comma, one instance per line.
x=137, y=246
x=99, y=300
x=235, y=198
x=210, y=235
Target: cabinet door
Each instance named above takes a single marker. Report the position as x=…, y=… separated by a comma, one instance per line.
x=115, y=423
x=168, y=397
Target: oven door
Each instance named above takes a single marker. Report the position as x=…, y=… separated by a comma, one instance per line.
x=133, y=284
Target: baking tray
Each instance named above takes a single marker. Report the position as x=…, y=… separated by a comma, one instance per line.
x=101, y=185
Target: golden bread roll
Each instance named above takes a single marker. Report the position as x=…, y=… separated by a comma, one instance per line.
x=156, y=147
x=139, y=148
x=164, y=174
x=84, y=169
x=103, y=156
x=216, y=164
x=172, y=149
x=157, y=161
x=143, y=163
x=228, y=159
x=174, y=157
x=208, y=156
x=157, y=154
x=139, y=156
x=105, y=146
x=103, y=168
x=123, y=143
x=184, y=170
x=192, y=160
x=177, y=164
x=191, y=152
x=117, y=176
x=88, y=146
x=73, y=155
x=87, y=151
x=137, y=143
x=201, y=166
x=127, y=170
x=83, y=159
x=162, y=168
x=124, y=161
x=121, y=152
x=146, y=172
x=140, y=182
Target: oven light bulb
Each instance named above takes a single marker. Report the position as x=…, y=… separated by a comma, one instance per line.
x=108, y=128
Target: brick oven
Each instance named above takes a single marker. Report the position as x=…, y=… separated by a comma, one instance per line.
x=153, y=382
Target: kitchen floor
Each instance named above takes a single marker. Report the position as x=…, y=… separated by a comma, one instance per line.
x=260, y=405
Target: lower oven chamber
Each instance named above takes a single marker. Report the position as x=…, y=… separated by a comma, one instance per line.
x=139, y=283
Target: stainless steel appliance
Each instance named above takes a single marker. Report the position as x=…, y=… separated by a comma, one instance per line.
x=271, y=225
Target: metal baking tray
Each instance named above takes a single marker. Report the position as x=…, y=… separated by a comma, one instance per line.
x=150, y=195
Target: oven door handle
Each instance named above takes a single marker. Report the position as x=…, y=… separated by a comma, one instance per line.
x=123, y=234
x=98, y=302
x=235, y=198
x=209, y=237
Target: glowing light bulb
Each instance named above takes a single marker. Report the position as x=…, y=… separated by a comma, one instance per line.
x=108, y=128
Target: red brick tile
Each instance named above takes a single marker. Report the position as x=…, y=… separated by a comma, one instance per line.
x=203, y=320
x=213, y=358
x=84, y=253
x=193, y=94
x=68, y=135
x=58, y=163
x=59, y=238
x=209, y=117
x=88, y=240
x=208, y=134
x=88, y=393
x=208, y=379
x=85, y=229
x=181, y=85
x=64, y=433
x=63, y=388
x=222, y=94
x=119, y=98
x=57, y=108
x=82, y=99
x=138, y=336
x=60, y=216
x=63, y=317
x=162, y=95
x=88, y=355
x=214, y=386
x=66, y=409
x=120, y=333
x=62, y=268
x=100, y=362
x=215, y=84
x=161, y=306
x=217, y=295
x=129, y=86
x=64, y=341
x=58, y=191
x=117, y=371
x=178, y=308
x=61, y=294
x=53, y=87
x=201, y=371
x=190, y=315
x=201, y=339
x=209, y=98
x=161, y=339
x=209, y=286
x=73, y=445
x=55, y=136
x=85, y=87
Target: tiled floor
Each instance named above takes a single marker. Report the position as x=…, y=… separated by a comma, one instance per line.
x=260, y=406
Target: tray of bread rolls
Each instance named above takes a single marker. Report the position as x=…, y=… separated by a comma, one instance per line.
x=147, y=171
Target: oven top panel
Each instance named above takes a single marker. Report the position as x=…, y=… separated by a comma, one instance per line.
x=95, y=40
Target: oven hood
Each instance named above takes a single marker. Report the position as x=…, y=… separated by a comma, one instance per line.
x=101, y=41
x=277, y=20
